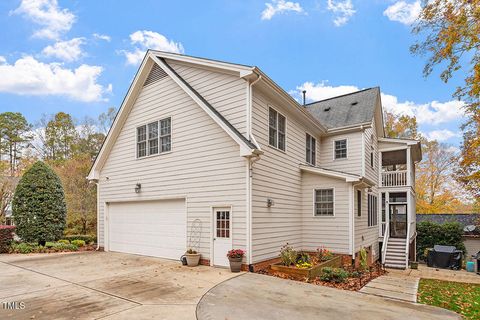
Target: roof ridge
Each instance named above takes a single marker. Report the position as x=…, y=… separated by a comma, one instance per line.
x=342, y=95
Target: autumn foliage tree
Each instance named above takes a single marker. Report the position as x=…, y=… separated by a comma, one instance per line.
x=450, y=39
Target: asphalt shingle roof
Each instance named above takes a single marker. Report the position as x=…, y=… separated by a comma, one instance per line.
x=346, y=110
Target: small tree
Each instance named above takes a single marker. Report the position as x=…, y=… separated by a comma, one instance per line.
x=39, y=207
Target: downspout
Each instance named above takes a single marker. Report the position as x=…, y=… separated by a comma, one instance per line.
x=250, y=163
x=352, y=220
x=98, y=208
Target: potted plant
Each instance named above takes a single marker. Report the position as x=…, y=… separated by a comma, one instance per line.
x=193, y=258
x=235, y=257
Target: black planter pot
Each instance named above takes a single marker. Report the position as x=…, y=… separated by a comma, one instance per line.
x=42, y=243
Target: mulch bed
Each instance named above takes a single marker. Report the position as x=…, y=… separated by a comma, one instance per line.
x=352, y=284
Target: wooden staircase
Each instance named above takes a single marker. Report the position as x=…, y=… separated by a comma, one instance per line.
x=396, y=257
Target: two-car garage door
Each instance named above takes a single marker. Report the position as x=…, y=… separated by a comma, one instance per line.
x=151, y=228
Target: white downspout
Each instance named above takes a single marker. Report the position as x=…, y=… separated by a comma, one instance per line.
x=249, y=177
x=98, y=213
x=352, y=218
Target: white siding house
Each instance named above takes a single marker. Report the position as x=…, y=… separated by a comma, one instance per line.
x=212, y=156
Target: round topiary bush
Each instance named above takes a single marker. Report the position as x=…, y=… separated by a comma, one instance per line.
x=38, y=205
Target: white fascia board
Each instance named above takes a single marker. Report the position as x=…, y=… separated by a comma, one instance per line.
x=409, y=142
x=122, y=113
x=241, y=69
x=245, y=150
x=327, y=173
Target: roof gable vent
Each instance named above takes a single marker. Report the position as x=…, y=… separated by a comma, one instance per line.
x=354, y=103
x=155, y=75
x=327, y=109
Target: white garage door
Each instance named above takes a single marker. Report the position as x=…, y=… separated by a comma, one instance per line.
x=150, y=228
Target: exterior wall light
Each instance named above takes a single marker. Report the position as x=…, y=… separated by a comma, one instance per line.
x=138, y=188
x=270, y=203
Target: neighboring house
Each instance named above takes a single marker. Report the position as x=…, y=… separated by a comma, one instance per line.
x=471, y=239
x=215, y=156
x=9, y=216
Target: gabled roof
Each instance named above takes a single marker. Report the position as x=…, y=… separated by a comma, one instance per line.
x=346, y=110
x=247, y=147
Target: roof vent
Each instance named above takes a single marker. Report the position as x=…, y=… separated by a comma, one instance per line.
x=326, y=109
x=354, y=103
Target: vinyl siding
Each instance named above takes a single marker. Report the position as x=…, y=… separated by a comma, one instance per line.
x=366, y=236
x=353, y=162
x=331, y=232
x=276, y=176
x=225, y=92
x=204, y=165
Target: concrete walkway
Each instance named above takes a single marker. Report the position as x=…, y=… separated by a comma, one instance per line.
x=255, y=296
x=443, y=274
x=393, y=286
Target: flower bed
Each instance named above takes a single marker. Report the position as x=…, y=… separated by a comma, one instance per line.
x=311, y=272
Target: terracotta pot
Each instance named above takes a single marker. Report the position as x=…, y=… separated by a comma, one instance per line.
x=192, y=259
x=235, y=264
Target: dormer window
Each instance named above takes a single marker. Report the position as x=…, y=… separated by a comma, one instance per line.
x=340, y=151
x=311, y=146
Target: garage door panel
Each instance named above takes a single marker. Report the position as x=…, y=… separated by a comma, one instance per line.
x=153, y=228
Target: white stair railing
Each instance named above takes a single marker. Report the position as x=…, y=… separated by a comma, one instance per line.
x=407, y=246
x=385, y=243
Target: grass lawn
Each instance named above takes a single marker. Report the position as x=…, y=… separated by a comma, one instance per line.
x=463, y=298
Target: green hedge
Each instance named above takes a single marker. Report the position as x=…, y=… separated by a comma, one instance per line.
x=430, y=234
x=6, y=238
x=87, y=238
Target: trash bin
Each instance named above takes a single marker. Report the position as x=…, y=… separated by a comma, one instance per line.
x=445, y=257
x=476, y=259
x=471, y=266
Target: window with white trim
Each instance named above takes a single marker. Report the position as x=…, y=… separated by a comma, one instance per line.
x=340, y=149
x=141, y=141
x=372, y=210
x=276, y=129
x=324, y=202
x=311, y=146
x=154, y=138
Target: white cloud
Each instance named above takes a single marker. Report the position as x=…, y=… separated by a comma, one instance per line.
x=69, y=50
x=404, y=12
x=53, y=21
x=441, y=135
x=144, y=40
x=27, y=76
x=2, y=60
x=433, y=112
x=343, y=11
x=102, y=37
x=321, y=91
x=280, y=6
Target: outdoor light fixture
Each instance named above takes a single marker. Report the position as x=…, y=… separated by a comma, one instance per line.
x=138, y=187
x=270, y=203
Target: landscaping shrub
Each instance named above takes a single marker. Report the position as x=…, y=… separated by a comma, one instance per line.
x=288, y=255
x=324, y=254
x=430, y=234
x=61, y=247
x=6, y=238
x=78, y=243
x=333, y=275
x=65, y=241
x=25, y=247
x=87, y=238
x=38, y=205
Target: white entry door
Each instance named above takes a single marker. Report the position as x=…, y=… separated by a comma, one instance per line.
x=222, y=236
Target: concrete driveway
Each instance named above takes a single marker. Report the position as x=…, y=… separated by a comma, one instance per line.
x=102, y=285
x=255, y=296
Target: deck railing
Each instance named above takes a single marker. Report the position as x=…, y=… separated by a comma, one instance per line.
x=394, y=178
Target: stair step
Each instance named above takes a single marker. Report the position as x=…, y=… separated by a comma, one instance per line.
x=395, y=259
x=396, y=254
x=396, y=249
x=395, y=266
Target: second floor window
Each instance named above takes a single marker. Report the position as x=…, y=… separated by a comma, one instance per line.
x=340, y=149
x=276, y=129
x=372, y=151
x=154, y=138
x=311, y=149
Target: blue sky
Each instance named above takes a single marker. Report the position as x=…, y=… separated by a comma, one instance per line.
x=80, y=56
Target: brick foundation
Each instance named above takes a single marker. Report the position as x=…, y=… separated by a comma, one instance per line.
x=204, y=262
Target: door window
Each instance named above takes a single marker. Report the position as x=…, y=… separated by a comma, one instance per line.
x=223, y=224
